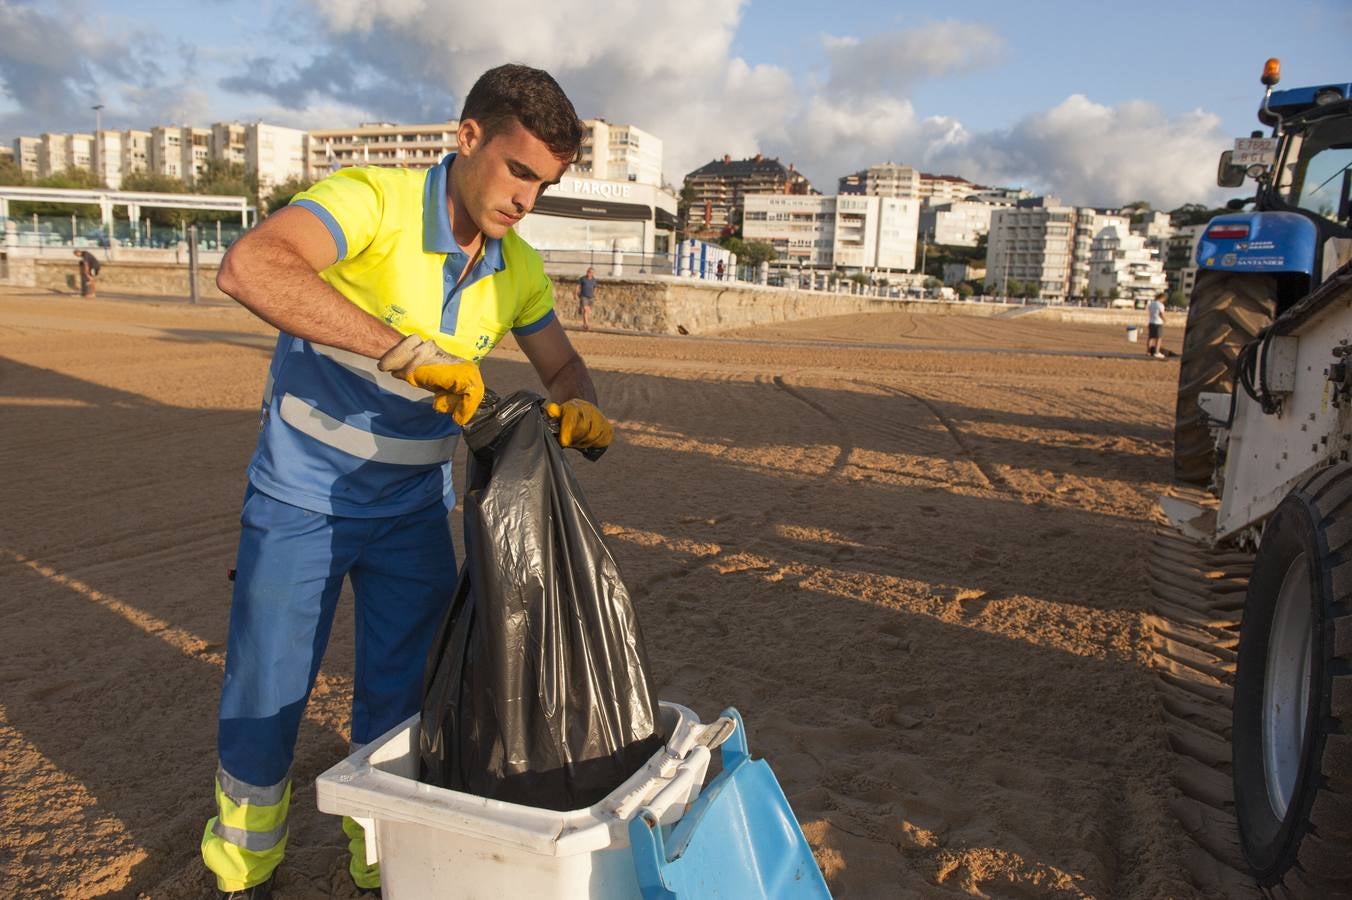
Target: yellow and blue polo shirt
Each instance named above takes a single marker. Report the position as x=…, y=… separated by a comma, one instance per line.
x=340, y=437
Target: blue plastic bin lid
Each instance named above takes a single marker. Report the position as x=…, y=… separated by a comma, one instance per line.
x=739, y=840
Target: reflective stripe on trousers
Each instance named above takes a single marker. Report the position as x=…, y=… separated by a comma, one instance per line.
x=246, y=839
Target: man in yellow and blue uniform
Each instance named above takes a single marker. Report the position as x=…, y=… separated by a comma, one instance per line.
x=387, y=287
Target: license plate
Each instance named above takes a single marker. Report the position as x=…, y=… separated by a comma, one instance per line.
x=1248, y=151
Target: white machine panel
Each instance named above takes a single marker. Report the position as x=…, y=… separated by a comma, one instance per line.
x=1268, y=454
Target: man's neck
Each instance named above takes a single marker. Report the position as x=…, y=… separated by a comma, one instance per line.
x=463, y=228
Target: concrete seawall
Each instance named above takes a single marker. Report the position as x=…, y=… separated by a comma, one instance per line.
x=652, y=304
x=121, y=276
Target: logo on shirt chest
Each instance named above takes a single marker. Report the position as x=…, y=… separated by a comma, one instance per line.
x=394, y=314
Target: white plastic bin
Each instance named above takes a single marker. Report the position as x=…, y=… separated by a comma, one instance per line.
x=1132, y=333
x=436, y=843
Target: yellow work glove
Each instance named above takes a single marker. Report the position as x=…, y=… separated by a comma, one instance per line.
x=457, y=385
x=581, y=424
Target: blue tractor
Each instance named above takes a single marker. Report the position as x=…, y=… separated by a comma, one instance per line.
x=1254, y=265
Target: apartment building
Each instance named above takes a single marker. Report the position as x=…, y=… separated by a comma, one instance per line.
x=615, y=152
x=957, y=223
x=1032, y=243
x=849, y=231
x=166, y=150
x=135, y=152
x=935, y=189
x=1088, y=223
x=380, y=144
x=1124, y=268
x=275, y=154
x=108, y=158
x=718, y=188
x=1180, y=258
x=886, y=180
x=27, y=150
x=229, y=143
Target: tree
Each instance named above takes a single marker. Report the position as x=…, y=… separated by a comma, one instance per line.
x=155, y=183
x=965, y=290
x=1013, y=288
x=70, y=179
x=1178, y=298
x=282, y=193
x=10, y=173
x=749, y=253
x=1193, y=214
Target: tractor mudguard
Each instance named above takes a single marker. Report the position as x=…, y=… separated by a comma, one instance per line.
x=1258, y=242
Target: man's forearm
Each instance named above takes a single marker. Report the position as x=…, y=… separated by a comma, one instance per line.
x=281, y=289
x=571, y=380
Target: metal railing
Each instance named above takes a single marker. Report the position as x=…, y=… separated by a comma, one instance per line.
x=40, y=232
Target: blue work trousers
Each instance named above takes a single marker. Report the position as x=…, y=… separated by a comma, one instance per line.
x=289, y=571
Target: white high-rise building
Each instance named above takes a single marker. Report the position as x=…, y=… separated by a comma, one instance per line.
x=380, y=144
x=958, y=223
x=229, y=143
x=1032, y=244
x=135, y=152
x=108, y=157
x=849, y=231
x=27, y=151
x=166, y=150
x=1124, y=268
x=885, y=180
x=614, y=152
x=1088, y=223
x=196, y=148
x=275, y=153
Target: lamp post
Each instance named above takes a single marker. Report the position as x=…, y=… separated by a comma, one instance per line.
x=94, y=151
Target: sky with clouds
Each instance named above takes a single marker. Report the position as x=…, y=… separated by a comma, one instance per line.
x=1100, y=104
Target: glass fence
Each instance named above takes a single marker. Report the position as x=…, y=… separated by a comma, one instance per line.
x=40, y=232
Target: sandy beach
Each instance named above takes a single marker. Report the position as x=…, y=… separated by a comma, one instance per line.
x=910, y=549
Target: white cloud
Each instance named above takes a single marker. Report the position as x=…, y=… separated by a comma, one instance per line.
x=1099, y=155
x=672, y=73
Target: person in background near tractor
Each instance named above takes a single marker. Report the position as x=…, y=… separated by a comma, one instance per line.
x=89, y=272
x=1155, y=326
x=586, y=296
x=388, y=287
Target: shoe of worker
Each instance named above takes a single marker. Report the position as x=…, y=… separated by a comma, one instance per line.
x=1159, y=355
x=260, y=891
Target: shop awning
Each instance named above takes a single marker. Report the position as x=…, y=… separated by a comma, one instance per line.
x=665, y=221
x=574, y=208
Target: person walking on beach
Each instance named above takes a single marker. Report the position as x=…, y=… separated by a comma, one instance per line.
x=586, y=296
x=89, y=272
x=388, y=286
x=1155, y=327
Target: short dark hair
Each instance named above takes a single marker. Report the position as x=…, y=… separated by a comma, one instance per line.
x=532, y=97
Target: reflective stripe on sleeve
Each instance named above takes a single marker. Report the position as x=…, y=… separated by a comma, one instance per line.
x=321, y=426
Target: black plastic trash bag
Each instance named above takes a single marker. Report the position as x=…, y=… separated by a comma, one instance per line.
x=537, y=689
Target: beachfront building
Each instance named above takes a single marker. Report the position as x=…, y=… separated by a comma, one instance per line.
x=717, y=190
x=381, y=144
x=957, y=223
x=230, y=143
x=107, y=162
x=1032, y=243
x=59, y=152
x=600, y=216
x=849, y=232
x=26, y=153
x=1180, y=258
x=886, y=180
x=134, y=153
x=275, y=154
x=935, y=189
x=1124, y=269
x=614, y=152
x=1089, y=222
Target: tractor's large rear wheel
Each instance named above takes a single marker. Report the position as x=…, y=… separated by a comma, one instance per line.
x=1292, y=730
x=1225, y=312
